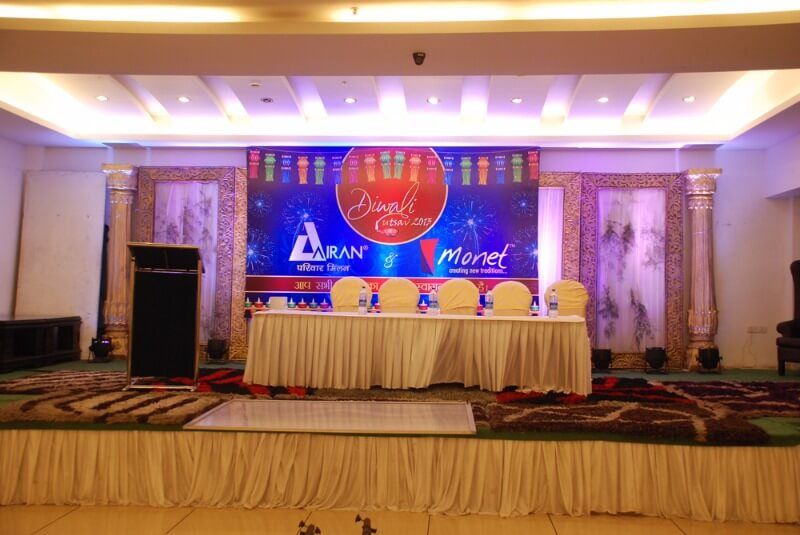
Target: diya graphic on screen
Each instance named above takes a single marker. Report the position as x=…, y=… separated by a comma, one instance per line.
x=316, y=214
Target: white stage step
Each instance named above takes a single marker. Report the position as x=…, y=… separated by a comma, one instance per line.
x=351, y=417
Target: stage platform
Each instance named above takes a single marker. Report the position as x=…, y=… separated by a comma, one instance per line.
x=105, y=452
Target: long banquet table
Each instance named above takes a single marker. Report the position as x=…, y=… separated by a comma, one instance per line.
x=348, y=350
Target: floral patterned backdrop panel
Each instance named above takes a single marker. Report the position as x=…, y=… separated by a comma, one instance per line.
x=631, y=298
x=186, y=213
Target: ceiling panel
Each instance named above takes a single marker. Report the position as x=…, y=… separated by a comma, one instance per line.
x=531, y=89
x=705, y=87
x=68, y=103
x=334, y=89
x=274, y=87
x=167, y=89
x=85, y=88
x=446, y=88
x=618, y=88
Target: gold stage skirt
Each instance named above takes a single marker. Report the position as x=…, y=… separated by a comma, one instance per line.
x=435, y=474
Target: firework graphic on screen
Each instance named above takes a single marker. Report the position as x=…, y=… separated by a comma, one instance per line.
x=259, y=205
x=470, y=221
x=526, y=247
x=260, y=249
x=524, y=204
x=302, y=207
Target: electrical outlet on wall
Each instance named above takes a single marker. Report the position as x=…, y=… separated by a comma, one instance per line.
x=757, y=329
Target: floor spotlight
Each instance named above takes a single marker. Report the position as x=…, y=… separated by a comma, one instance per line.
x=655, y=360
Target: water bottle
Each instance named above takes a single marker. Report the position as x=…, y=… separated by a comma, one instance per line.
x=362, y=300
x=552, y=304
x=488, y=308
x=433, y=306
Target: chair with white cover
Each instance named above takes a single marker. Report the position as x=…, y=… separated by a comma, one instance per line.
x=511, y=298
x=399, y=295
x=572, y=297
x=459, y=296
x=344, y=294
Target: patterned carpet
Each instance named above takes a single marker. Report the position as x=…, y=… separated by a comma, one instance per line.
x=701, y=412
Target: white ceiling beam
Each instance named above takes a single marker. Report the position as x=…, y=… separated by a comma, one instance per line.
x=645, y=99
x=225, y=99
x=143, y=98
x=306, y=95
x=391, y=96
x=297, y=104
x=559, y=100
x=475, y=98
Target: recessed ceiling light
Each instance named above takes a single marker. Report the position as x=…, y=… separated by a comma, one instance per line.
x=183, y=100
x=433, y=100
x=350, y=100
x=602, y=100
x=102, y=98
x=689, y=99
x=516, y=100
x=255, y=83
x=266, y=100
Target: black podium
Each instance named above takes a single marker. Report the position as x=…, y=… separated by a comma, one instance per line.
x=164, y=319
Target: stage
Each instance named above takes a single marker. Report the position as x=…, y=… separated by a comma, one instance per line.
x=146, y=458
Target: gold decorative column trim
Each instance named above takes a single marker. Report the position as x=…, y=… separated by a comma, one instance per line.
x=700, y=185
x=238, y=345
x=571, y=237
x=121, y=181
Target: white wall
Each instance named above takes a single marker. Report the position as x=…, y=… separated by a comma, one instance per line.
x=91, y=159
x=796, y=228
x=755, y=237
x=61, y=249
x=12, y=157
x=624, y=160
x=783, y=168
x=752, y=254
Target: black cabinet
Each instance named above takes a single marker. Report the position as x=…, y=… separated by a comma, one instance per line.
x=33, y=341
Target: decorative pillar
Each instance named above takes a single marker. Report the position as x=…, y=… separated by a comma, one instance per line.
x=121, y=183
x=700, y=187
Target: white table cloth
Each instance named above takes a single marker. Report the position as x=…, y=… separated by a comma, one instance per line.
x=348, y=350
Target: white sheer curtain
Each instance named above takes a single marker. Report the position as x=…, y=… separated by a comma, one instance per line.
x=631, y=303
x=186, y=213
x=551, y=238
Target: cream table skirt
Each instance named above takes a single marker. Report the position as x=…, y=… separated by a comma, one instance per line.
x=348, y=350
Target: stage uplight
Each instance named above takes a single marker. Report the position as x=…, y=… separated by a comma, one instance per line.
x=655, y=359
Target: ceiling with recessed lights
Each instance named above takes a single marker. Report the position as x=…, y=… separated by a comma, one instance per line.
x=615, y=73
x=661, y=110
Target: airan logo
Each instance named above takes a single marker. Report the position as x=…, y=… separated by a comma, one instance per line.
x=308, y=248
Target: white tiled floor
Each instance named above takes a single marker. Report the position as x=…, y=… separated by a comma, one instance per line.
x=480, y=524
x=25, y=519
x=613, y=525
x=115, y=520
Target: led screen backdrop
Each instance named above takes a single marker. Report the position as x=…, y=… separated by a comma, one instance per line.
x=316, y=214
